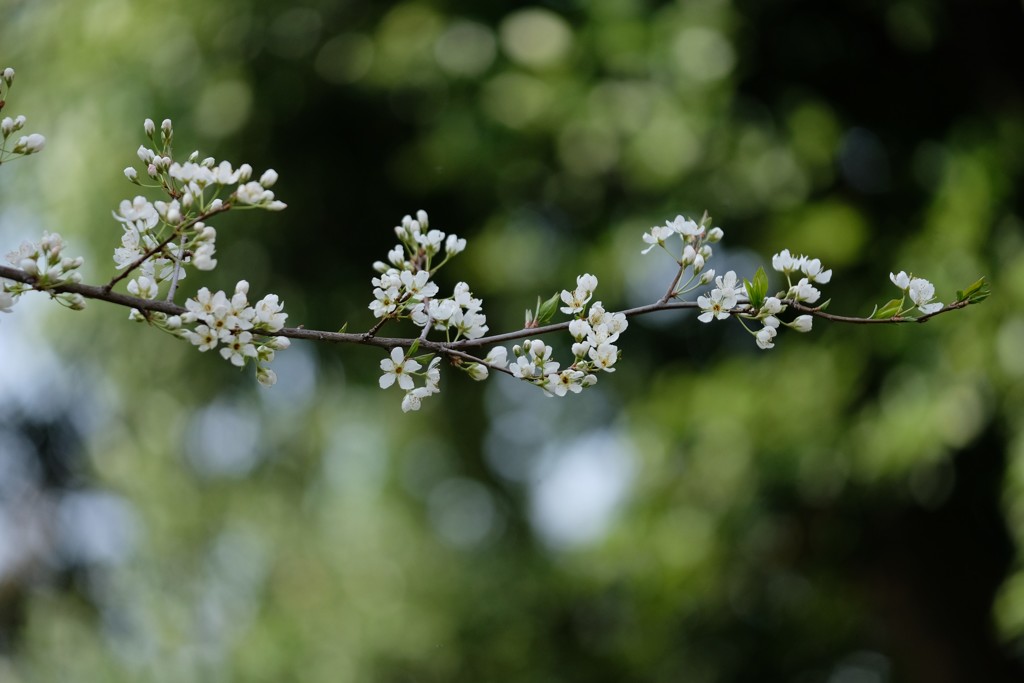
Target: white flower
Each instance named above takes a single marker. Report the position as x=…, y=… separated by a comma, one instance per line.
x=268, y=313
x=771, y=306
x=902, y=280
x=238, y=347
x=386, y=301
x=414, y=399
x=657, y=236
x=576, y=300
x=730, y=284
x=469, y=324
x=203, y=336
x=922, y=293
x=765, y=336
x=143, y=287
x=417, y=285
x=717, y=305
x=203, y=258
x=812, y=269
x=580, y=328
x=564, y=382
x=431, y=241
x=604, y=356
x=784, y=262
x=138, y=211
x=802, y=323
x=398, y=368
x=454, y=245
x=685, y=226
x=805, y=291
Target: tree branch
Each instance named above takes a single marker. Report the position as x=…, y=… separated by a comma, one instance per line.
x=450, y=349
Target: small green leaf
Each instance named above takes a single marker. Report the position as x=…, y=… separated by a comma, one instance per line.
x=546, y=311
x=343, y=328
x=889, y=310
x=414, y=348
x=823, y=306
x=757, y=289
x=976, y=293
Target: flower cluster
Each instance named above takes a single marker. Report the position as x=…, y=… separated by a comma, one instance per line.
x=594, y=333
x=692, y=253
x=920, y=291
x=749, y=300
x=44, y=262
x=404, y=290
x=242, y=332
x=24, y=144
x=161, y=238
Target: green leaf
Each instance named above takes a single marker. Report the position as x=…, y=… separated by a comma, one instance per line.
x=343, y=328
x=758, y=289
x=889, y=310
x=546, y=311
x=976, y=293
x=822, y=307
x=414, y=348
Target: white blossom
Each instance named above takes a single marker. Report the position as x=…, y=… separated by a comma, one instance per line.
x=922, y=293
x=398, y=368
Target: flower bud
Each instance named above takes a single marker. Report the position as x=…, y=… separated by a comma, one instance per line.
x=715, y=235
x=8, y=76
x=149, y=127
x=7, y=126
x=146, y=155
x=265, y=376
x=30, y=144
x=131, y=174
x=802, y=323
x=477, y=372
x=268, y=178
x=166, y=128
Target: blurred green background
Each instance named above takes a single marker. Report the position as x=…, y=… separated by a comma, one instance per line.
x=846, y=508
